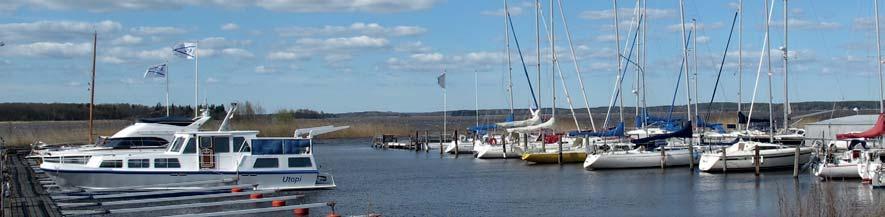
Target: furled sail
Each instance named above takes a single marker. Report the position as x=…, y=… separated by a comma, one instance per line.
x=536, y=119
x=546, y=125
x=876, y=131
x=617, y=131
x=685, y=132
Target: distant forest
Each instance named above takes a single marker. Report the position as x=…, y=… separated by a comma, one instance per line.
x=249, y=110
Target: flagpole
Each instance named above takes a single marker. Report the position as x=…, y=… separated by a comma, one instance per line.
x=196, y=80
x=445, y=105
x=166, y=64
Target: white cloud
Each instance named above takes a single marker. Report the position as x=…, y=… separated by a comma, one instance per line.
x=699, y=26
x=412, y=47
x=264, y=69
x=73, y=83
x=298, y=6
x=626, y=13
x=375, y=6
x=287, y=55
x=230, y=27
x=428, y=57
x=127, y=40
x=359, y=28
x=703, y=39
x=221, y=42
x=344, y=42
x=157, y=30
x=131, y=81
x=48, y=49
x=237, y=52
x=54, y=30
x=212, y=80
x=514, y=11
x=808, y=24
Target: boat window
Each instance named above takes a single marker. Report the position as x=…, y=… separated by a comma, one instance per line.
x=222, y=144
x=267, y=146
x=51, y=159
x=266, y=163
x=238, y=145
x=300, y=162
x=191, y=146
x=139, y=163
x=166, y=163
x=176, y=144
x=75, y=160
x=129, y=142
x=111, y=164
x=295, y=146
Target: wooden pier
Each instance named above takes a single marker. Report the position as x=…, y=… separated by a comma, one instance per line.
x=24, y=196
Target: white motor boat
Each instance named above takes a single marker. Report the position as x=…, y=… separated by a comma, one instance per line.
x=739, y=157
x=199, y=159
x=638, y=158
x=146, y=135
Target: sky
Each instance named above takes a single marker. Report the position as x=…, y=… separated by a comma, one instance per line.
x=385, y=55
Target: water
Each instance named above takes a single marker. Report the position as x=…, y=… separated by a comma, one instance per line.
x=408, y=183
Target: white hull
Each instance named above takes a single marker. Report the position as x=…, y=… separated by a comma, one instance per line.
x=840, y=171
x=487, y=151
x=635, y=159
x=116, y=179
x=463, y=148
x=743, y=160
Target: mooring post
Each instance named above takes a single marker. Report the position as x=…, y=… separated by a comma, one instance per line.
x=417, y=143
x=426, y=141
x=757, y=160
x=560, y=149
x=455, y=140
x=724, y=161
x=691, y=152
x=543, y=143
x=441, y=147
x=504, y=144
x=525, y=142
x=663, y=157
x=796, y=163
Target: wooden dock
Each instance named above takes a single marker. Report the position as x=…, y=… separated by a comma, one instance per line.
x=24, y=195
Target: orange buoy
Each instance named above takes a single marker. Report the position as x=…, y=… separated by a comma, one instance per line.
x=300, y=212
x=256, y=196
x=277, y=203
x=333, y=214
x=235, y=190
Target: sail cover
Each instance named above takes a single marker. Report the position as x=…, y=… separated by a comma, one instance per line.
x=685, y=132
x=876, y=131
x=536, y=119
x=546, y=125
x=617, y=131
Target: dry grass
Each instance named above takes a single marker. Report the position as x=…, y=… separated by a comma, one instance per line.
x=54, y=132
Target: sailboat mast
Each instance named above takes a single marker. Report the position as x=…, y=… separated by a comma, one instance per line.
x=92, y=86
x=538, y=43
x=618, y=55
x=644, y=55
x=685, y=58
x=694, y=50
x=879, y=61
x=509, y=66
x=740, y=58
x=770, y=94
x=786, y=72
x=476, y=96
x=553, y=64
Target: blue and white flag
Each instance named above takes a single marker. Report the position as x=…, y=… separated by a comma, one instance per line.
x=187, y=50
x=441, y=80
x=157, y=71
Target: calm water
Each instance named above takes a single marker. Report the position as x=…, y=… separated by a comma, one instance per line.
x=407, y=183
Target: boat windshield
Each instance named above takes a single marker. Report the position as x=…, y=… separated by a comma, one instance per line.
x=176, y=144
x=130, y=142
x=280, y=146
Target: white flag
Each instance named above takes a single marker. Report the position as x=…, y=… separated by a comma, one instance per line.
x=441, y=80
x=157, y=71
x=186, y=50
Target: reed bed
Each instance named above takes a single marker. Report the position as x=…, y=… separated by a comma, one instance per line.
x=829, y=199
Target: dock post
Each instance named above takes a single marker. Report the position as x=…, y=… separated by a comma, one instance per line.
x=691, y=151
x=796, y=163
x=417, y=143
x=525, y=142
x=455, y=140
x=663, y=157
x=724, y=161
x=426, y=141
x=756, y=160
x=543, y=143
x=560, y=150
x=504, y=144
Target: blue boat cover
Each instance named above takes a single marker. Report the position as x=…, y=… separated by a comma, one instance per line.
x=482, y=129
x=685, y=132
x=617, y=131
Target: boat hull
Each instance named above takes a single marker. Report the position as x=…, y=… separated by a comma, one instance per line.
x=122, y=179
x=839, y=171
x=463, y=148
x=553, y=157
x=625, y=160
x=743, y=161
x=496, y=152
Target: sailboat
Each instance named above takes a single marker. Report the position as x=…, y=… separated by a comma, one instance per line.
x=741, y=155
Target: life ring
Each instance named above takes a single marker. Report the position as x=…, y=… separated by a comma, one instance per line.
x=493, y=141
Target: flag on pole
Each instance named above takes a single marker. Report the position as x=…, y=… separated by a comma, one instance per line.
x=185, y=50
x=441, y=80
x=156, y=71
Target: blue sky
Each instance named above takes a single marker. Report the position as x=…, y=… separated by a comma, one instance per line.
x=384, y=55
